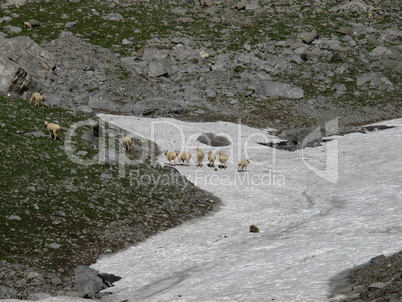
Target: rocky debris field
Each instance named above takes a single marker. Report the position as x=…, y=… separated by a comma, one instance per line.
x=378, y=280
x=281, y=64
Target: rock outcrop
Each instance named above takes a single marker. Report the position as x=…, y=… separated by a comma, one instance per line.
x=24, y=66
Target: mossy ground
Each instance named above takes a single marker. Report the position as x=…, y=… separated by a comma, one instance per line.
x=57, y=200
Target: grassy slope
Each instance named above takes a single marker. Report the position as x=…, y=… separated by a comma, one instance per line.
x=59, y=201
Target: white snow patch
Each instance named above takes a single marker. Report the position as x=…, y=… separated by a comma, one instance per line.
x=311, y=230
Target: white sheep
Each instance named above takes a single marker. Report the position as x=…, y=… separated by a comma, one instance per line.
x=37, y=98
x=27, y=25
x=200, y=156
x=211, y=159
x=243, y=163
x=184, y=157
x=223, y=159
x=127, y=142
x=53, y=129
x=171, y=156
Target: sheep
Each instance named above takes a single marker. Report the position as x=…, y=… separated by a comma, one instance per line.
x=223, y=159
x=37, y=98
x=27, y=25
x=243, y=163
x=171, y=156
x=184, y=157
x=53, y=128
x=127, y=142
x=211, y=159
x=200, y=156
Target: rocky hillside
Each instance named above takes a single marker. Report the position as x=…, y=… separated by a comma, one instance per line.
x=284, y=64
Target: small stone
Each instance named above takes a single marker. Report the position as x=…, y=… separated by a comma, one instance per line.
x=14, y=217
x=308, y=38
x=378, y=258
x=54, y=245
x=241, y=5
x=254, y=229
x=377, y=285
x=56, y=281
x=208, y=3
x=70, y=25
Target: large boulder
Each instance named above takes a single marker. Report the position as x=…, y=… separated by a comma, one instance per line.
x=214, y=140
x=23, y=65
x=266, y=89
x=87, y=281
x=158, y=68
x=159, y=106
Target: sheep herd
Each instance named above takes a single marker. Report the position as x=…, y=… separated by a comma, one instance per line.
x=183, y=158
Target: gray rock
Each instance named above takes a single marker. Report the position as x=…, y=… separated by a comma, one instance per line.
x=81, y=153
x=54, y=245
x=378, y=259
x=23, y=65
x=339, y=56
x=72, y=24
x=155, y=53
x=102, y=100
x=87, y=281
x=392, y=35
x=38, y=296
x=375, y=79
x=12, y=29
x=7, y=292
x=380, y=51
x=14, y=217
x=106, y=176
x=186, y=53
x=377, y=285
x=114, y=17
x=159, y=106
x=266, y=89
x=85, y=109
x=16, y=3
x=35, y=134
x=308, y=38
x=208, y=3
x=254, y=229
x=34, y=23
x=340, y=89
x=254, y=5
x=349, y=31
x=126, y=42
x=158, y=68
x=241, y=5
x=352, y=6
x=214, y=140
x=5, y=19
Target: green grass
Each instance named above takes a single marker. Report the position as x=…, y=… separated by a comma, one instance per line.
x=61, y=201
